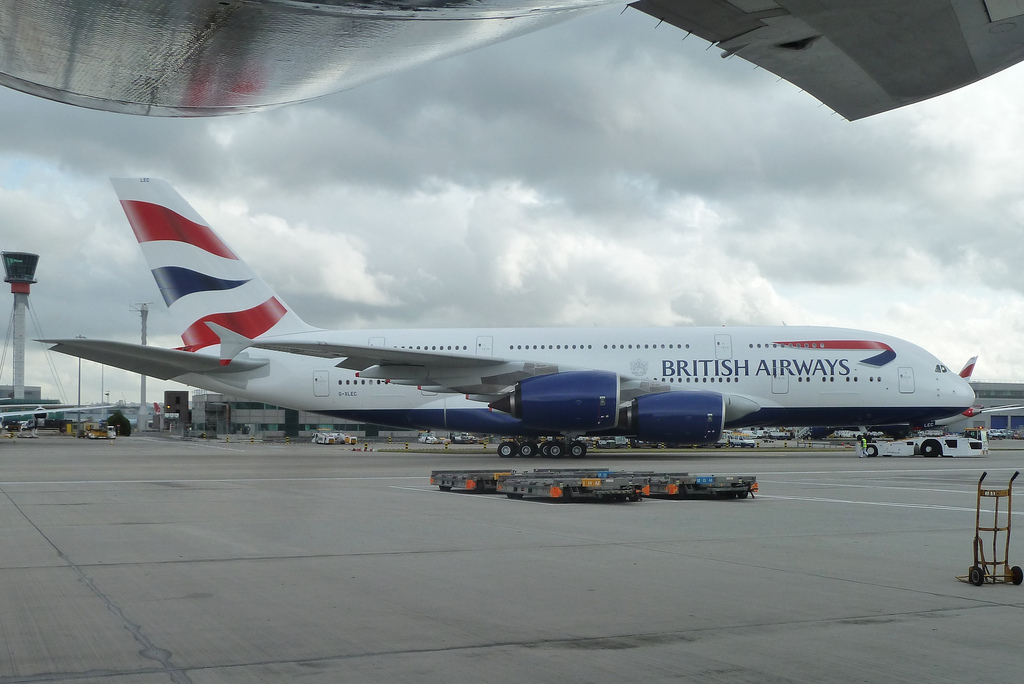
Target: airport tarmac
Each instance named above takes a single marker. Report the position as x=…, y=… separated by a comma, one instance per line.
x=152, y=560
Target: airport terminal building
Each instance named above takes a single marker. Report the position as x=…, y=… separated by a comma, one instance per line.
x=990, y=394
x=221, y=414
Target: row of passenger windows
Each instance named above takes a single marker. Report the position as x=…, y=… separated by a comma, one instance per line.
x=799, y=378
x=434, y=347
x=671, y=380
x=790, y=345
x=515, y=347
x=766, y=345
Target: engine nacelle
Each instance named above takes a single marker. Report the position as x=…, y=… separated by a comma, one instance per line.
x=574, y=401
x=685, y=417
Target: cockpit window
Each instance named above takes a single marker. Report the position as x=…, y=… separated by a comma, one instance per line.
x=941, y=369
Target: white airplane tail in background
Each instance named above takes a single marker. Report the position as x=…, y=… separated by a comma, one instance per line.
x=201, y=280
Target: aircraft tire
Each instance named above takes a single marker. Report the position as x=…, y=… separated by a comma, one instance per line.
x=577, y=449
x=507, y=449
x=527, y=450
x=556, y=450
x=545, y=449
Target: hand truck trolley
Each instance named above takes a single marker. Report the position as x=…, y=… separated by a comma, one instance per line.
x=995, y=569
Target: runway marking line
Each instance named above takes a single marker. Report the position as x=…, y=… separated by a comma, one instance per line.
x=876, y=503
x=219, y=479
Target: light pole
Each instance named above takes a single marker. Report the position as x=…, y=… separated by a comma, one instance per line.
x=143, y=309
x=78, y=404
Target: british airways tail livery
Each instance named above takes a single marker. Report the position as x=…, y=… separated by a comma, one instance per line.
x=681, y=385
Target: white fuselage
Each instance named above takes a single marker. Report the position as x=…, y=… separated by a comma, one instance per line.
x=798, y=376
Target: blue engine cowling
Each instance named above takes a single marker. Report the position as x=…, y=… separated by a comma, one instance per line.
x=683, y=417
x=574, y=401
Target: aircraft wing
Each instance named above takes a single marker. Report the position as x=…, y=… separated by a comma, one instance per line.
x=859, y=57
x=165, y=364
x=436, y=371
x=360, y=357
x=32, y=410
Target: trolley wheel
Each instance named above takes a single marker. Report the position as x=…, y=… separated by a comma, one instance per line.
x=514, y=495
x=931, y=447
x=507, y=449
x=445, y=488
x=1016, y=574
x=743, y=494
x=976, y=575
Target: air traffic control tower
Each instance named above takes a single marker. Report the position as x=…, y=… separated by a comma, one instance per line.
x=20, y=268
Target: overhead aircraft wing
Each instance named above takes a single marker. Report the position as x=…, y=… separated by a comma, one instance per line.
x=165, y=364
x=210, y=57
x=859, y=57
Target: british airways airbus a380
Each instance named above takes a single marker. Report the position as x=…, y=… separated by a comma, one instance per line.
x=661, y=384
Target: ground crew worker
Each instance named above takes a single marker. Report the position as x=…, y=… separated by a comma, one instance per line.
x=863, y=446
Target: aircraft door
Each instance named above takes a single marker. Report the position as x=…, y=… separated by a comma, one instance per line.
x=484, y=344
x=321, y=383
x=376, y=342
x=780, y=383
x=906, y=380
x=723, y=346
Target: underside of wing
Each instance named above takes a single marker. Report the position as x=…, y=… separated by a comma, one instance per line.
x=436, y=371
x=859, y=57
x=210, y=57
x=165, y=364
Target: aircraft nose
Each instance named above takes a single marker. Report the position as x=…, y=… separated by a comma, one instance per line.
x=963, y=389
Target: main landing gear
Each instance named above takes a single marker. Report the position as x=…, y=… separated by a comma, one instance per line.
x=556, y=448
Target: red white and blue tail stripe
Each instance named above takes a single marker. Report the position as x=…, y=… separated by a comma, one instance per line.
x=200, y=278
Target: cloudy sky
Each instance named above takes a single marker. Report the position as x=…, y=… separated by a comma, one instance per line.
x=600, y=172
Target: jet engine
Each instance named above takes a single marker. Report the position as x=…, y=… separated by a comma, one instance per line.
x=574, y=401
x=686, y=417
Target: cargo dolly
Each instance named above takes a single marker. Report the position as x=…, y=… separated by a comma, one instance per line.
x=685, y=485
x=996, y=569
x=568, y=485
x=594, y=484
x=481, y=481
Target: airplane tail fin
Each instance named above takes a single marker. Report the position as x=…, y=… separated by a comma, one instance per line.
x=201, y=280
x=969, y=368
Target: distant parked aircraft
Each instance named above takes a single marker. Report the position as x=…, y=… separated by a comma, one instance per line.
x=659, y=384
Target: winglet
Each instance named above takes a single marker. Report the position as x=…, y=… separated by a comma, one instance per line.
x=231, y=343
x=969, y=368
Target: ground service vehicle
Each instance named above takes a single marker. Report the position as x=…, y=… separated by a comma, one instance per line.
x=947, y=445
